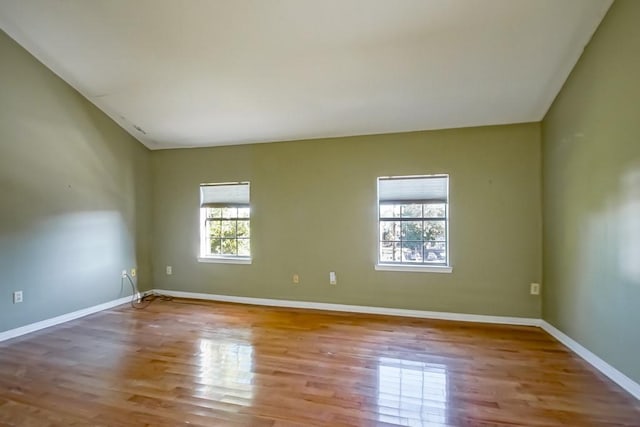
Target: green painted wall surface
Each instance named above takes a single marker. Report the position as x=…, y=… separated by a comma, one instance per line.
x=591, y=172
x=314, y=211
x=75, y=188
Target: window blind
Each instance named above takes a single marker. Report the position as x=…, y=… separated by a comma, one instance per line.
x=227, y=194
x=407, y=189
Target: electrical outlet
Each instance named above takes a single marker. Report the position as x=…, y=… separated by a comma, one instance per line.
x=169, y=270
x=124, y=274
x=17, y=297
x=295, y=279
x=332, y=278
x=535, y=289
x=133, y=272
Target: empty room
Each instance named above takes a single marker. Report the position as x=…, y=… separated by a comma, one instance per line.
x=319, y=213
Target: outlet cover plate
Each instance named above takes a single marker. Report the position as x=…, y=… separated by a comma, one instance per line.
x=17, y=297
x=535, y=289
x=332, y=278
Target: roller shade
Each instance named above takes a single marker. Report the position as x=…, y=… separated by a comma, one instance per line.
x=408, y=189
x=228, y=194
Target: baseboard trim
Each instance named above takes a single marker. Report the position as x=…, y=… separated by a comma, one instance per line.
x=32, y=327
x=614, y=375
x=478, y=318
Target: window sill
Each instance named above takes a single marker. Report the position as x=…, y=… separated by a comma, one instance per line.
x=224, y=260
x=414, y=268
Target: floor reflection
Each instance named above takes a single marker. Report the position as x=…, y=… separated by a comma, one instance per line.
x=411, y=393
x=225, y=371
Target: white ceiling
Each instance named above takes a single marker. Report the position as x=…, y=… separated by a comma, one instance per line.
x=219, y=72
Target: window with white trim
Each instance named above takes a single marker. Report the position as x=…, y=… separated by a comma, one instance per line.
x=225, y=221
x=413, y=220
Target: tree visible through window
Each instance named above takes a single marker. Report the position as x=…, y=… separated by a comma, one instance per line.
x=413, y=220
x=228, y=230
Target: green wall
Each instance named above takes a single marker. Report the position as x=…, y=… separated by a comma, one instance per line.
x=591, y=172
x=75, y=196
x=314, y=211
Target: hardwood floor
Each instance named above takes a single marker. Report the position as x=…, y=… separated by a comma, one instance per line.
x=201, y=363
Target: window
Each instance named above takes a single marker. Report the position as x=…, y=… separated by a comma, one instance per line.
x=413, y=222
x=225, y=222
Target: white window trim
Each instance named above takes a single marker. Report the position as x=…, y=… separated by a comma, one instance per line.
x=414, y=268
x=224, y=260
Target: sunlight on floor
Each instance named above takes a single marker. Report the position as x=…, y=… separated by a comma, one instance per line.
x=225, y=372
x=411, y=393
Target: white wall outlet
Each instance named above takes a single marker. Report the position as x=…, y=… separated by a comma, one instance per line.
x=295, y=279
x=17, y=297
x=124, y=274
x=535, y=289
x=332, y=278
x=169, y=270
x=133, y=272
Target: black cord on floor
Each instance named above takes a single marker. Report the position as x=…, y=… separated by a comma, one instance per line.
x=139, y=301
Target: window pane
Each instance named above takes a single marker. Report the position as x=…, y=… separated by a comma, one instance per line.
x=435, y=210
x=243, y=228
x=214, y=212
x=389, y=211
x=243, y=247
x=228, y=228
x=390, y=230
x=412, y=230
x=215, y=246
x=435, y=252
x=215, y=228
x=230, y=212
x=434, y=230
x=229, y=246
x=411, y=211
x=411, y=251
x=243, y=212
x=386, y=251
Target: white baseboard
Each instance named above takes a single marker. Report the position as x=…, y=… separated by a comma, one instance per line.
x=23, y=330
x=479, y=318
x=616, y=376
